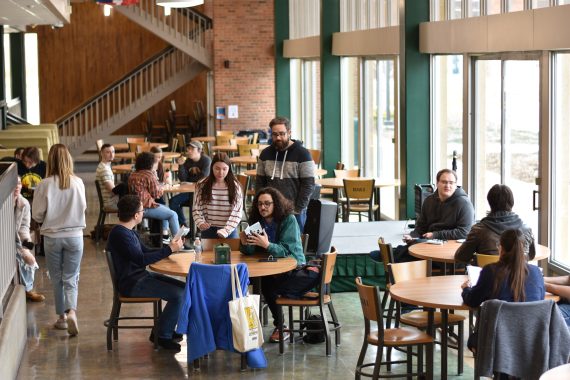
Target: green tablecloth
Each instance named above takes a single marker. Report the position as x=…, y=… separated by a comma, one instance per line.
x=348, y=267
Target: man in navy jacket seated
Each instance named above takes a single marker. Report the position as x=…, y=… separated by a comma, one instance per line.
x=130, y=258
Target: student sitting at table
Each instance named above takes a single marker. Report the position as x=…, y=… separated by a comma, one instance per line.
x=104, y=175
x=193, y=168
x=158, y=169
x=510, y=279
x=484, y=236
x=560, y=286
x=130, y=258
x=218, y=203
x=31, y=170
x=280, y=238
x=143, y=182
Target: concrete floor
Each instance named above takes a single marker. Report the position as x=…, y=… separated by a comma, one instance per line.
x=52, y=353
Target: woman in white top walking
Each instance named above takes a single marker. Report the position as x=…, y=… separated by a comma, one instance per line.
x=218, y=202
x=59, y=205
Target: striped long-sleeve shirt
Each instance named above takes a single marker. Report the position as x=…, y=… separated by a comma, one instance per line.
x=219, y=212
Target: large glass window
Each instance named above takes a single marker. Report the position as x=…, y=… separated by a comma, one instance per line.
x=32, y=78
x=350, y=98
x=306, y=102
x=7, y=67
x=560, y=221
x=447, y=113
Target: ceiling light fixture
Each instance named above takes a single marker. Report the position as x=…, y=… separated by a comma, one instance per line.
x=179, y=3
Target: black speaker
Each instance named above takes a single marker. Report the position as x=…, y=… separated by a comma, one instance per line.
x=321, y=217
x=422, y=192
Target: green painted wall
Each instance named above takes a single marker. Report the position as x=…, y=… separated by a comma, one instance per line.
x=282, y=71
x=330, y=85
x=416, y=100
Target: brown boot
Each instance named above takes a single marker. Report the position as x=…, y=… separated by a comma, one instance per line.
x=35, y=297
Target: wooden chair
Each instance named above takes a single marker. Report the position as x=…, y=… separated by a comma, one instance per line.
x=112, y=323
x=153, y=131
x=136, y=140
x=143, y=148
x=315, y=299
x=387, y=256
x=343, y=173
x=223, y=139
x=359, y=198
x=483, y=260
x=239, y=140
x=255, y=138
x=181, y=142
x=103, y=211
x=209, y=244
x=246, y=191
x=419, y=319
x=404, y=337
x=316, y=154
x=245, y=149
x=174, y=144
x=225, y=133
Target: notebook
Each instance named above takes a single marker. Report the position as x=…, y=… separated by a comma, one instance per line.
x=473, y=273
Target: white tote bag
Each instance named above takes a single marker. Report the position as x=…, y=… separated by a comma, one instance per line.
x=244, y=314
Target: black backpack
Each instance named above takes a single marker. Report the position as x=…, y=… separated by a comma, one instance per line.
x=314, y=322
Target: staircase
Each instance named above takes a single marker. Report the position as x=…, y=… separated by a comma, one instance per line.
x=150, y=82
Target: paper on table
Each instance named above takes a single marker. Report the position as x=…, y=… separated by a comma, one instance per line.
x=473, y=273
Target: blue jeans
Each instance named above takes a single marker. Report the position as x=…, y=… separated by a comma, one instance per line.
x=176, y=202
x=63, y=259
x=168, y=289
x=211, y=233
x=565, y=310
x=27, y=273
x=168, y=217
x=301, y=219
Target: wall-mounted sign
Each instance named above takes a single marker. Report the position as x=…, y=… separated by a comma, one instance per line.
x=220, y=113
x=232, y=112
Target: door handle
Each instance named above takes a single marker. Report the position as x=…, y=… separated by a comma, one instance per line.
x=534, y=206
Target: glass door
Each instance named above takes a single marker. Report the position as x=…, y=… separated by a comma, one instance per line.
x=506, y=134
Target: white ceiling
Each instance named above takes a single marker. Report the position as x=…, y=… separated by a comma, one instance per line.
x=20, y=13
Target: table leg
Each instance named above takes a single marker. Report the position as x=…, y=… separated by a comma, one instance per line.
x=429, y=262
x=444, y=328
x=377, y=213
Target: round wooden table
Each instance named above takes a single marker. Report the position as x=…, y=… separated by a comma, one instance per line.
x=184, y=187
x=225, y=148
x=131, y=155
x=178, y=264
x=206, y=139
x=244, y=160
x=445, y=253
x=557, y=373
x=125, y=146
x=441, y=292
x=253, y=172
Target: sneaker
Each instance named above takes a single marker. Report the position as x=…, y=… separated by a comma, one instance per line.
x=35, y=297
x=60, y=324
x=72, y=327
x=175, y=337
x=274, y=338
x=165, y=239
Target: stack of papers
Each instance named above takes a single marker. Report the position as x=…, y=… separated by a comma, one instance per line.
x=473, y=273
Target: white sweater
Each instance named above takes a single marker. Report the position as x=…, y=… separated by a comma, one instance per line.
x=61, y=212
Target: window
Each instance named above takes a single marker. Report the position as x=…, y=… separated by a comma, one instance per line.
x=447, y=113
x=560, y=221
x=32, y=79
x=306, y=102
x=350, y=98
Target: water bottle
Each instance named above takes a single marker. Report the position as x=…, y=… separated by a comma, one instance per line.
x=168, y=177
x=198, y=250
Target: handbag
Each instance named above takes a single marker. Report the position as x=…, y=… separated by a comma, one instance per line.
x=244, y=314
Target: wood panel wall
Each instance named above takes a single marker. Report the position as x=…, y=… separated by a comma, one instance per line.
x=79, y=60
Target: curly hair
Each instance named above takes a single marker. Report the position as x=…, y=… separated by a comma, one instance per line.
x=144, y=161
x=282, y=207
x=205, y=185
x=128, y=206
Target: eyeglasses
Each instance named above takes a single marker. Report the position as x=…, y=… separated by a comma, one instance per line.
x=264, y=204
x=139, y=211
x=447, y=182
x=279, y=134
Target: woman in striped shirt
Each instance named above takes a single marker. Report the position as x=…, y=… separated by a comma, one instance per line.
x=218, y=201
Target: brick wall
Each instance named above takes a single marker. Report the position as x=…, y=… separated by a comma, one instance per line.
x=243, y=35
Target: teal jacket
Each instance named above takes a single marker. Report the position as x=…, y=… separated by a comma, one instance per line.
x=288, y=242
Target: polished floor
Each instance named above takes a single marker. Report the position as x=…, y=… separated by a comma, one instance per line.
x=52, y=353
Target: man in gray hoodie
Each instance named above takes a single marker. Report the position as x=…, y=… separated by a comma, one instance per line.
x=447, y=214
x=287, y=166
x=484, y=236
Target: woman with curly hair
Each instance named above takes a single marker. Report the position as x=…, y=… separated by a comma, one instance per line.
x=218, y=201
x=280, y=238
x=59, y=206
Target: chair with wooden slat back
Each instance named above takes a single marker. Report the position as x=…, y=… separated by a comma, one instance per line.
x=181, y=141
x=389, y=338
x=343, y=173
x=316, y=155
x=209, y=244
x=223, y=139
x=359, y=198
x=483, y=260
x=143, y=147
x=387, y=256
x=419, y=319
x=245, y=149
x=153, y=131
x=235, y=141
x=225, y=132
x=136, y=139
x=255, y=138
x=318, y=299
x=247, y=193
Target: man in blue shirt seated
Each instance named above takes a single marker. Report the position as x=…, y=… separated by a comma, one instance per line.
x=130, y=258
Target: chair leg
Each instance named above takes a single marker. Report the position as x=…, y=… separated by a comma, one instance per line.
x=420, y=366
x=429, y=361
x=99, y=225
x=360, y=360
x=336, y=324
x=409, y=367
x=116, y=324
x=378, y=362
x=280, y=327
x=156, y=315
x=327, y=330
x=460, y=332
x=290, y=324
x=111, y=325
